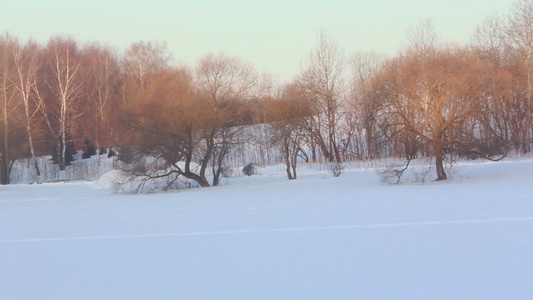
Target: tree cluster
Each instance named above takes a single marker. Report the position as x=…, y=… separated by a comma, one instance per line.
x=431, y=100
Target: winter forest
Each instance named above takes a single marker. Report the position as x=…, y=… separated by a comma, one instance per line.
x=64, y=101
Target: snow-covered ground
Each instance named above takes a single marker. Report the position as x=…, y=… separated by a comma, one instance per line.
x=264, y=237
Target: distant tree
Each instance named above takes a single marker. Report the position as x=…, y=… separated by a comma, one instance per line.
x=27, y=64
x=101, y=93
x=422, y=38
x=519, y=41
x=366, y=105
x=142, y=62
x=504, y=43
x=322, y=82
x=7, y=106
x=289, y=132
x=225, y=83
x=65, y=84
x=501, y=113
x=434, y=96
x=165, y=123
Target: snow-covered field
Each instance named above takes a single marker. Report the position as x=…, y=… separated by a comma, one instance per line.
x=264, y=237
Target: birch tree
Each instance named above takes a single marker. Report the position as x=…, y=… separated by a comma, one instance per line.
x=65, y=85
x=27, y=64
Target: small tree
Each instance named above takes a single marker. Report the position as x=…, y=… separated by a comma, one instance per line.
x=336, y=169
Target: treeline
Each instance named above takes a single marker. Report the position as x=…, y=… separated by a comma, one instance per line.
x=430, y=100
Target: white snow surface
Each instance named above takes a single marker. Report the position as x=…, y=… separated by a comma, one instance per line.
x=264, y=237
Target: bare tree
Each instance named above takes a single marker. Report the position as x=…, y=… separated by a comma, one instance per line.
x=224, y=82
x=489, y=40
x=502, y=107
x=164, y=122
x=7, y=102
x=323, y=82
x=422, y=38
x=27, y=64
x=102, y=92
x=290, y=112
x=65, y=85
x=365, y=103
x=519, y=40
x=434, y=97
x=141, y=62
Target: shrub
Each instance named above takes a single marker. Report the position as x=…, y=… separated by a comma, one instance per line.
x=89, y=150
x=250, y=169
x=336, y=169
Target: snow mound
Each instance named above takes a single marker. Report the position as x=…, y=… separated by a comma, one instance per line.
x=110, y=179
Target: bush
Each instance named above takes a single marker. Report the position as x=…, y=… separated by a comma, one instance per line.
x=226, y=172
x=111, y=153
x=89, y=150
x=250, y=169
x=336, y=169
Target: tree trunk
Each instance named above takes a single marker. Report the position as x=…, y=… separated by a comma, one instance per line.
x=4, y=171
x=368, y=137
x=527, y=121
x=313, y=151
x=61, y=153
x=286, y=155
x=288, y=169
x=35, y=163
x=217, y=172
x=216, y=179
x=293, y=164
x=4, y=168
x=439, y=164
x=32, y=151
x=202, y=181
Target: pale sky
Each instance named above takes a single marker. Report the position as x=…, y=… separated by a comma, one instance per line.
x=274, y=35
